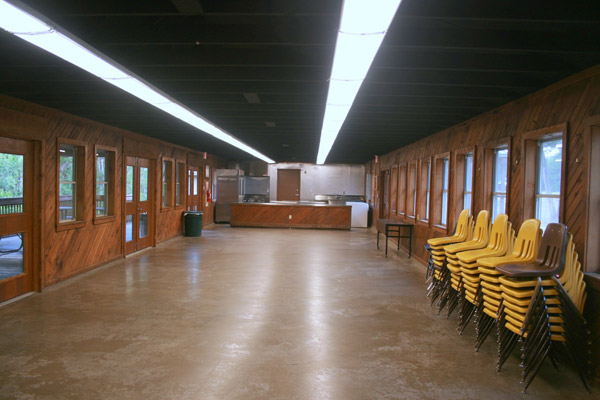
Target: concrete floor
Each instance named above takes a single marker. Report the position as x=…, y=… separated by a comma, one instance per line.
x=253, y=314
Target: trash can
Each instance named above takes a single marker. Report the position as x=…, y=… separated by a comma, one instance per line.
x=193, y=223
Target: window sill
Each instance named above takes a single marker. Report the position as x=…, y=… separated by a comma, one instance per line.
x=64, y=226
x=423, y=222
x=104, y=220
x=440, y=228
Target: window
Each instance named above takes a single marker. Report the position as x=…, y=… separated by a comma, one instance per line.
x=71, y=176
x=394, y=189
x=424, y=188
x=543, y=173
x=547, y=188
x=167, y=183
x=440, y=189
x=105, y=183
x=467, y=172
x=180, y=183
x=401, y=208
x=411, y=189
x=499, y=181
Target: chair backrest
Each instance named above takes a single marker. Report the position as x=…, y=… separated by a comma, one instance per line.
x=481, y=231
x=553, y=248
x=499, y=234
x=462, y=225
x=528, y=239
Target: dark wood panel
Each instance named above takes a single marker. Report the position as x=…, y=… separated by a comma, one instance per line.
x=290, y=216
x=569, y=102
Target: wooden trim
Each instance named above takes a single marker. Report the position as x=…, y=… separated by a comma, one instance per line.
x=411, y=189
x=402, y=179
x=456, y=204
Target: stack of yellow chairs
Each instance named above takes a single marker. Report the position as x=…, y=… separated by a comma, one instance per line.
x=543, y=310
x=479, y=240
x=500, y=243
x=525, y=251
x=436, y=269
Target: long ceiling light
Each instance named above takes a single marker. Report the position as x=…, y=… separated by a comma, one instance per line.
x=28, y=25
x=362, y=29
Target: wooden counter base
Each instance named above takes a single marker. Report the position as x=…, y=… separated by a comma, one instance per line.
x=277, y=215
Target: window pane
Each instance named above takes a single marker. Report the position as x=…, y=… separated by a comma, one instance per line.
x=467, y=201
x=498, y=206
x=101, y=198
x=549, y=166
x=11, y=255
x=445, y=176
x=143, y=225
x=195, y=183
x=128, y=228
x=143, y=183
x=444, y=208
x=67, y=199
x=469, y=174
x=101, y=157
x=179, y=176
x=547, y=210
x=500, y=170
x=129, y=184
x=67, y=163
x=428, y=190
x=11, y=183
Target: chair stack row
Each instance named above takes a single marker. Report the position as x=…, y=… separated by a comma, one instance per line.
x=530, y=288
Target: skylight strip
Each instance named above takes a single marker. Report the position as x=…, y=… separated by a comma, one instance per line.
x=34, y=28
x=363, y=27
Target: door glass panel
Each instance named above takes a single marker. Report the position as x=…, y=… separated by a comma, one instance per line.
x=143, y=184
x=11, y=184
x=189, y=182
x=195, y=183
x=143, y=225
x=11, y=255
x=128, y=228
x=129, y=184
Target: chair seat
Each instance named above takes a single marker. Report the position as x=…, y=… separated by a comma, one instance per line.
x=492, y=294
x=453, y=268
x=495, y=262
x=490, y=278
x=473, y=255
x=524, y=282
x=491, y=300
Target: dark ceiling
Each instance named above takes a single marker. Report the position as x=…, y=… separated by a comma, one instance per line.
x=442, y=62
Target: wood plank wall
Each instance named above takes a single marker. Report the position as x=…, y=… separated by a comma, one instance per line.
x=67, y=253
x=572, y=101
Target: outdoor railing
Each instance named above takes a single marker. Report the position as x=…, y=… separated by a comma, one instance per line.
x=11, y=205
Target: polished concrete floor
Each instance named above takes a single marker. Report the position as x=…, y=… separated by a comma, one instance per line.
x=253, y=314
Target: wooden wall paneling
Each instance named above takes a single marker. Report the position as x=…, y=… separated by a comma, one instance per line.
x=393, y=190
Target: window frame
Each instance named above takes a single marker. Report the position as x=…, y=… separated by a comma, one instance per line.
x=402, y=179
x=458, y=186
x=424, y=191
x=530, y=167
x=438, y=190
x=489, y=149
x=411, y=190
x=181, y=183
x=79, y=220
x=111, y=170
x=169, y=184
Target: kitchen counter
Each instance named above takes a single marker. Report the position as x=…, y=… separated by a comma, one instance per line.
x=291, y=214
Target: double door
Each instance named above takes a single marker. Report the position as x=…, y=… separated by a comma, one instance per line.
x=139, y=209
x=16, y=218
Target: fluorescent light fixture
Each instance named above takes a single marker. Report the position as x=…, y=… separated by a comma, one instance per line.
x=362, y=29
x=28, y=25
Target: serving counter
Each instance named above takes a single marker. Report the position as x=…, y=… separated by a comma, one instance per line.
x=291, y=215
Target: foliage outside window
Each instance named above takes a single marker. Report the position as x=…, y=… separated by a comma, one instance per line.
x=71, y=164
x=167, y=183
x=12, y=183
x=105, y=182
x=179, y=184
x=548, y=180
x=499, y=182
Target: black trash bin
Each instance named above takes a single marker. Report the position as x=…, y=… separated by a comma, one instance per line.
x=193, y=223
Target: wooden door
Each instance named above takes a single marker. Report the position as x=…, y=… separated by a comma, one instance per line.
x=16, y=218
x=194, y=199
x=139, y=210
x=384, y=210
x=288, y=184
